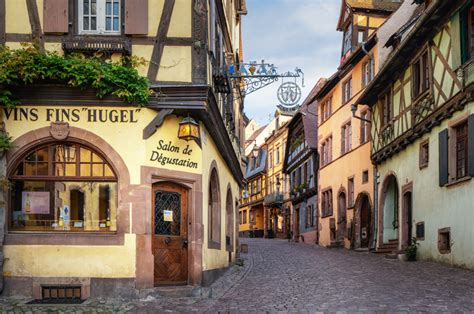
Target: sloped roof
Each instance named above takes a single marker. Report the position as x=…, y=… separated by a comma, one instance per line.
x=425, y=27
x=255, y=134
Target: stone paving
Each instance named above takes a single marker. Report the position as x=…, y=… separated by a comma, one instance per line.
x=279, y=276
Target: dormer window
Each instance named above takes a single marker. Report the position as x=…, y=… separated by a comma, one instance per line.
x=99, y=17
x=347, y=43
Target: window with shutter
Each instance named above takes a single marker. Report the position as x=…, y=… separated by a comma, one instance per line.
x=100, y=17
x=443, y=158
x=136, y=17
x=55, y=16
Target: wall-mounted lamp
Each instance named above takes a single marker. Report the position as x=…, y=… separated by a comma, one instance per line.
x=189, y=130
x=354, y=110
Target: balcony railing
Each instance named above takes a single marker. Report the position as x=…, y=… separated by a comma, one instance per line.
x=273, y=199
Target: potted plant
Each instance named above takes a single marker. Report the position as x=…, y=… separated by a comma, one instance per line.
x=410, y=252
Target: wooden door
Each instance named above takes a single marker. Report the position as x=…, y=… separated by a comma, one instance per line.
x=170, y=234
x=297, y=225
x=365, y=223
x=407, y=213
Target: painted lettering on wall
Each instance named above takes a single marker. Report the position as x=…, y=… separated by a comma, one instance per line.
x=160, y=155
x=72, y=115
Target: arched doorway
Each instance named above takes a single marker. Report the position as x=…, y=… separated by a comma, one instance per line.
x=341, y=216
x=390, y=210
x=365, y=221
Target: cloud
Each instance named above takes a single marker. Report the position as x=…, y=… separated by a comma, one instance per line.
x=289, y=34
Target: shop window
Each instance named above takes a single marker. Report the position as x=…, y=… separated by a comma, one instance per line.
x=420, y=231
x=444, y=240
x=63, y=187
x=214, y=234
x=424, y=154
x=420, y=77
x=99, y=16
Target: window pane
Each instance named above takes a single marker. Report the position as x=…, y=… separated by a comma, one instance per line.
x=43, y=154
x=93, y=23
x=108, y=8
x=85, y=155
x=96, y=158
x=108, y=24
x=31, y=157
x=19, y=170
x=85, y=24
x=86, y=7
x=42, y=169
x=70, y=170
x=108, y=172
x=85, y=170
x=63, y=206
x=116, y=24
x=116, y=8
x=97, y=170
x=30, y=168
x=59, y=169
x=93, y=8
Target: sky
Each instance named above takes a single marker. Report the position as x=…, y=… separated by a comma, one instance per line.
x=289, y=34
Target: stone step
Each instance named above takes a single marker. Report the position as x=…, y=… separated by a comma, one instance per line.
x=170, y=292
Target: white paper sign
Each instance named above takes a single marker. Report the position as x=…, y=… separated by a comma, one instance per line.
x=35, y=202
x=168, y=215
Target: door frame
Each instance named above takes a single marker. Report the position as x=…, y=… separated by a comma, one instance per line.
x=407, y=215
x=156, y=187
x=143, y=223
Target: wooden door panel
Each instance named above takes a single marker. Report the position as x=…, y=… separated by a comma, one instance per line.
x=169, y=246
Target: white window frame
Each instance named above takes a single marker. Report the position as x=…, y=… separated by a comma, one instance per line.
x=101, y=19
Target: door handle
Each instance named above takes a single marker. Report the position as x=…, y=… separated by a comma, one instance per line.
x=168, y=241
x=184, y=244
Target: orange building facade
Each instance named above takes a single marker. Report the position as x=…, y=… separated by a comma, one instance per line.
x=345, y=191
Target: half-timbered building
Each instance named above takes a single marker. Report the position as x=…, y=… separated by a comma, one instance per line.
x=301, y=166
x=105, y=197
x=423, y=135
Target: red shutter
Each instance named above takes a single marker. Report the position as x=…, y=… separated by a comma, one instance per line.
x=470, y=145
x=136, y=17
x=443, y=158
x=55, y=16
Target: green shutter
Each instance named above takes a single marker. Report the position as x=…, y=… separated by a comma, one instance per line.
x=470, y=145
x=464, y=35
x=443, y=157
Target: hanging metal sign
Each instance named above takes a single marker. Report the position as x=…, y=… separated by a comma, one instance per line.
x=254, y=76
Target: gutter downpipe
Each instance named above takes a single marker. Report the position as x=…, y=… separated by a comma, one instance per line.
x=376, y=206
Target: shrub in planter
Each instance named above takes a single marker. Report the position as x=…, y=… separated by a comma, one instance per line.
x=411, y=250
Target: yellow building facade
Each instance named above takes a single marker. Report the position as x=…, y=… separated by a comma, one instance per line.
x=345, y=191
x=277, y=202
x=105, y=196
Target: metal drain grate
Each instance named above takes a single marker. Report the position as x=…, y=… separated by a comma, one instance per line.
x=59, y=295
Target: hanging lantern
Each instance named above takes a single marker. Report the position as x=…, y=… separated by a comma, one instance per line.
x=188, y=129
x=255, y=151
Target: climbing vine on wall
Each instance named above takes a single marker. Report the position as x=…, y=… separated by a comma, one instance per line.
x=29, y=65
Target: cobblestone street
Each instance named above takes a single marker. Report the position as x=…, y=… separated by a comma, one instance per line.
x=292, y=277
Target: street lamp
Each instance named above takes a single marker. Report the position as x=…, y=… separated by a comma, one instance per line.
x=354, y=110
